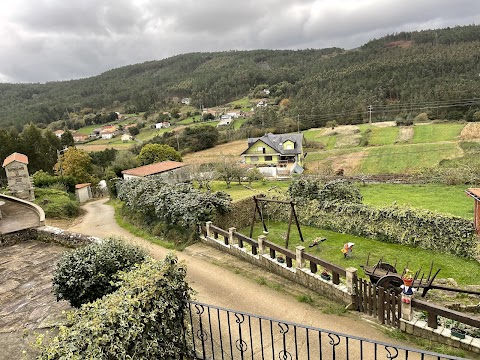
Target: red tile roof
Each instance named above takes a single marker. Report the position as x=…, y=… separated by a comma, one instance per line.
x=15, y=157
x=153, y=169
x=80, y=186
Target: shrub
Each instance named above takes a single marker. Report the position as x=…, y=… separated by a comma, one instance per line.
x=86, y=274
x=57, y=203
x=42, y=179
x=143, y=319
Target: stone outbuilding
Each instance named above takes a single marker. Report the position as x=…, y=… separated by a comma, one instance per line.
x=169, y=171
x=83, y=192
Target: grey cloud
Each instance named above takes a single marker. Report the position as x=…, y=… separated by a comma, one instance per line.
x=43, y=40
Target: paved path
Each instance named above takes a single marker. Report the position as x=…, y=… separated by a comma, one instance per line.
x=223, y=280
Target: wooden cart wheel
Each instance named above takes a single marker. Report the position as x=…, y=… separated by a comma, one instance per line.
x=390, y=282
x=388, y=267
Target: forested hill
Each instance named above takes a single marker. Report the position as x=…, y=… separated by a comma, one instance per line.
x=414, y=67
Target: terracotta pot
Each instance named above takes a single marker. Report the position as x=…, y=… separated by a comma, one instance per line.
x=407, y=282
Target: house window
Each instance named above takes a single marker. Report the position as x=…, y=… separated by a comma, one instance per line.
x=268, y=158
x=289, y=146
x=254, y=158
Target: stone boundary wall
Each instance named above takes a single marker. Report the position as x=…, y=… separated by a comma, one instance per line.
x=298, y=275
x=38, y=209
x=49, y=234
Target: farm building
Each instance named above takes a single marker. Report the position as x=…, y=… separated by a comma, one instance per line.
x=170, y=171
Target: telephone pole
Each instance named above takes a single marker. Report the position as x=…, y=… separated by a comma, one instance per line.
x=298, y=122
x=370, y=109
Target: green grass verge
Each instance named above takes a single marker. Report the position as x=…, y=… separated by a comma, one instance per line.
x=237, y=124
x=401, y=159
x=445, y=199
x=56, y=203
x=383, y=135
x=464, y=271
x=137, y=231
x=436, y=132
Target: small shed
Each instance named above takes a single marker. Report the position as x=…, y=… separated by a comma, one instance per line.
x=83, y=192
x=475, y=194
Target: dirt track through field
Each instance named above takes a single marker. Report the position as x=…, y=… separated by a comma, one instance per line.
x=217, y=278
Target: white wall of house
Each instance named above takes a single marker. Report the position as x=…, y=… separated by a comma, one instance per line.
x=84, y=194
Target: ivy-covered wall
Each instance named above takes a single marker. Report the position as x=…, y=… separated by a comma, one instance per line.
x=406, y=226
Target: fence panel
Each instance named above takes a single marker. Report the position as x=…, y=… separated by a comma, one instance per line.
x=218, y=333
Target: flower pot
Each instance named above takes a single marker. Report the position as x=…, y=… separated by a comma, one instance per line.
x=459, y=333
x=280, y=259
x=407, y=282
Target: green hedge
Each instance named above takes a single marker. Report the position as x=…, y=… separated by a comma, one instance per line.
x=143, y=319
x=88, y=273
x=406, y=226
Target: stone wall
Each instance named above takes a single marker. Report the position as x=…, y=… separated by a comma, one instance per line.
x=298, y=274
x=48, y=234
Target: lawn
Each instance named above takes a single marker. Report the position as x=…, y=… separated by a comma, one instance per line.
x=445, y=199
x=383, y=135
x=400, y=159
x=436, y=132
x=237, y=123
x=239, y=192
x=464, y=271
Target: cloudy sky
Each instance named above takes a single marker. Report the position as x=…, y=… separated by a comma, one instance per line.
x=47, y=40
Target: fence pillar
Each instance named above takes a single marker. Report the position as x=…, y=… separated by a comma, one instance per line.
x=208, y=224
x=261, y=246
x=351, y=277
x=407, y=310
x=231, y=238
x=300, y=250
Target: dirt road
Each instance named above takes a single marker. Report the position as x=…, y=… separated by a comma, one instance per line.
x=219, y=279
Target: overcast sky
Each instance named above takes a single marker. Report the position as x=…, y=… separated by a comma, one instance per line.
x=47, y=40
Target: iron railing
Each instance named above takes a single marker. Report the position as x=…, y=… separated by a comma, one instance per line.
x=219, y=333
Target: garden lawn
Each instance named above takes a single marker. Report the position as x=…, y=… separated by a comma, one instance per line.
x=401, y=159
x=445, y=199
x=464, y=271
x=383, y=135
x=436, y=132
x=243, y=191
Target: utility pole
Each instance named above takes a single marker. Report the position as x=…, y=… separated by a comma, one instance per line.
x=298, y=122
x=370, y=109
x=178, y=144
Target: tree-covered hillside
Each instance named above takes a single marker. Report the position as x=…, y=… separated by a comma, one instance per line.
x=417, y=67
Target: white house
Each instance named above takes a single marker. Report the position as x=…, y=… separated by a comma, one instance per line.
x=186, y=101
x=108, y=134
x=58, y=133
x=127, y=137
x=83, y=192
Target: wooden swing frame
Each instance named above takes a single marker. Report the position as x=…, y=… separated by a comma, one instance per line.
x=259, y=201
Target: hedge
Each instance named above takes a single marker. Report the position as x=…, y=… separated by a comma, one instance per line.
x=143, y=319
x=402, y=225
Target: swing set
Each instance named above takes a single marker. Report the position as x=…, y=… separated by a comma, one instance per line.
x=262, y=201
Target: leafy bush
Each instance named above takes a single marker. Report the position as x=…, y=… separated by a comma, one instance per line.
x=42, y=179
x=179, y=204
x=57, y=203
x=305, y=189
x=143, y=319
x=87, y=273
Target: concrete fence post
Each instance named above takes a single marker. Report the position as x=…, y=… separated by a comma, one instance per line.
x=261, y=246
x=300, y=250
x=351, y=277
x=407, y=309
x=231, y=238
x=208, y=224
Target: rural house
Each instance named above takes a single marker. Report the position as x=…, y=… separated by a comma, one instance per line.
x=276, y=155
x=170, y=171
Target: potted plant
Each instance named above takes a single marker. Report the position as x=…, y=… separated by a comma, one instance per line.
x=458, y=330
x=407, y=278
x=325, y=275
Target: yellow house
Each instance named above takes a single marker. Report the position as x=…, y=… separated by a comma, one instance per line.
x=282, y=151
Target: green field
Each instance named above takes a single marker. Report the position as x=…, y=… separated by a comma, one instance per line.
x=383, y=135
x=445, y=199
x=400, y=159
x=436, y=132
x=464, y=271
x=237, y=123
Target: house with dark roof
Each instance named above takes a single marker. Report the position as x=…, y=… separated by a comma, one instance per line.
x=170, y=171
x=276, y=154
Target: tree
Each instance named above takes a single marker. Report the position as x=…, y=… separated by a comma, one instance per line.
x=152, y=153
x=133, y=130
x=229, y=170
x=67, y=139
x=124, y=160
x=76, y=163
